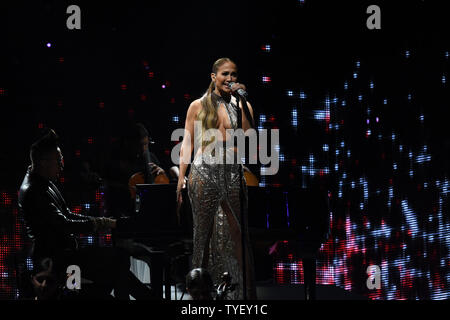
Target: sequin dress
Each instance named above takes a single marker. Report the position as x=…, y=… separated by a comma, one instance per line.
x=213, y=186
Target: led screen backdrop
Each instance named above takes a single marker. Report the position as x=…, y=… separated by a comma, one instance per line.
x=361, y=112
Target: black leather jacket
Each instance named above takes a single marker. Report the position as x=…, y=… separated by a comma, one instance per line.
x=48, y=221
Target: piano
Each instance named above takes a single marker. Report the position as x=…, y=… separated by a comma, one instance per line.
x=156, y=234
x=163, y=237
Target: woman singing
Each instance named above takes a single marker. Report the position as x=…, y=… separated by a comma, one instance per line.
x=214, y=185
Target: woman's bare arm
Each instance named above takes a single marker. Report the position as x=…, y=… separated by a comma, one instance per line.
x=187, y=145
x=245, y=122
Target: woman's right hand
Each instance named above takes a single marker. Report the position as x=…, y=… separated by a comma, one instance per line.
x=181, y=185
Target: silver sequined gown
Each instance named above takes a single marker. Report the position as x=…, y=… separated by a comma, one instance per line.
x=217, y=232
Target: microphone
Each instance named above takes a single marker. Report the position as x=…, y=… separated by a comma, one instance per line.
x=241, y=91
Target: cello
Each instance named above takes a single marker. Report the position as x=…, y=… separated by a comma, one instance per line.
x=146, y=176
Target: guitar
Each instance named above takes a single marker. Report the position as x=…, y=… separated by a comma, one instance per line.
x=250, y=179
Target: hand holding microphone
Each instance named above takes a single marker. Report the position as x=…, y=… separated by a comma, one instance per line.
x=239, y=88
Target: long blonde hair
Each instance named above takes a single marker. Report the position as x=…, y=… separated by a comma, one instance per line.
x=208, y=115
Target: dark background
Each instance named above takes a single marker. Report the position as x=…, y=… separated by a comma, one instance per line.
x=313, y=46
x=91, y=82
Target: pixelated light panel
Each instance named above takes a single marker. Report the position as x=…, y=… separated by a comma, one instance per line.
x=394, y=214
x=12, y=239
